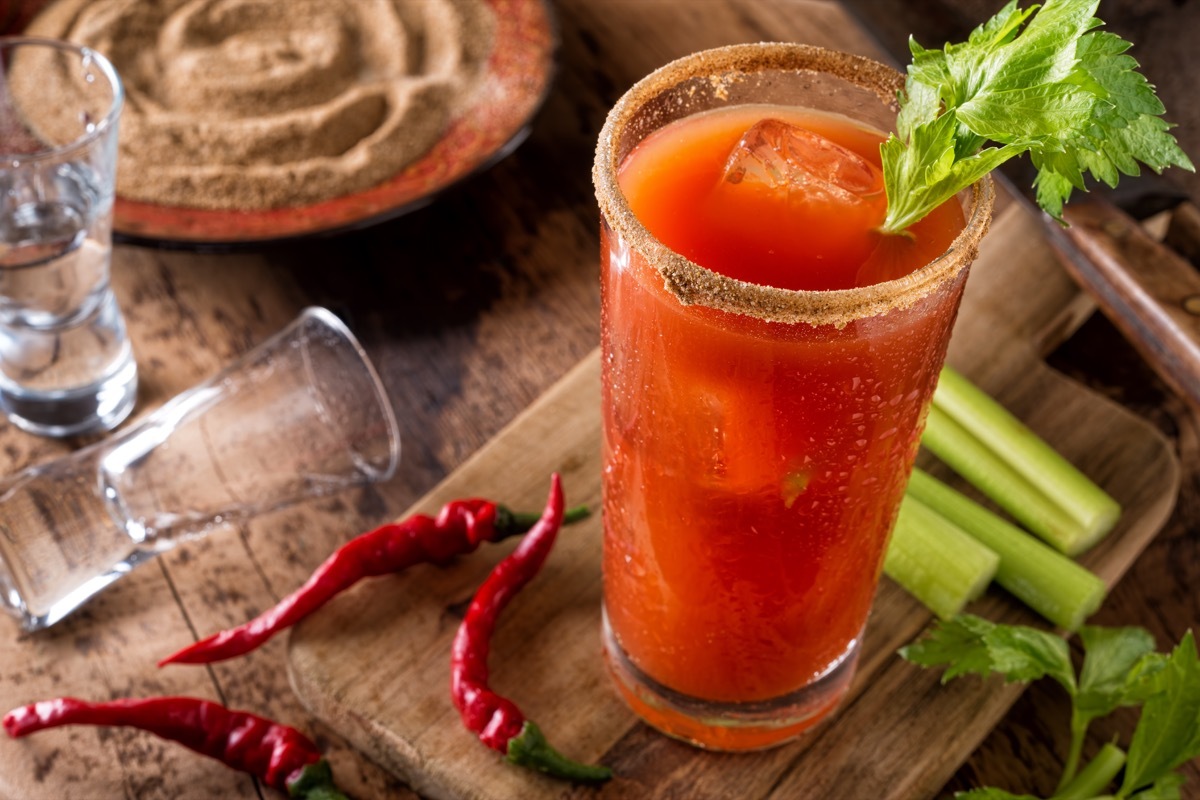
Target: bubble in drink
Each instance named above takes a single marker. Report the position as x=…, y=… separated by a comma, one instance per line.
x=779, y=156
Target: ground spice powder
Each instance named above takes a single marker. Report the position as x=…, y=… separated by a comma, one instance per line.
x=257, y=104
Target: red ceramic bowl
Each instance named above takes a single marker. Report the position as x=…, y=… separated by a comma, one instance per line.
x=519, y=73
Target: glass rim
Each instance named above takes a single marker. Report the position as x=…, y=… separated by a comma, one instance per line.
x=693, y=284
x=331, y=321
x=101, y=128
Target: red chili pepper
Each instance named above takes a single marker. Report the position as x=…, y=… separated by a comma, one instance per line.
x=496, y=720
x=458, y=529
x=281, y=757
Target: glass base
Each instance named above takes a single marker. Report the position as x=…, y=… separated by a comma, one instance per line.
x=97, y=407
x=723, y=726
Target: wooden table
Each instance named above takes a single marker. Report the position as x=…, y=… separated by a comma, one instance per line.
x=470, y=308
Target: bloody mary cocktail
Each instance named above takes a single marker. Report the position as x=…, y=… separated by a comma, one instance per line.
x=768, y=361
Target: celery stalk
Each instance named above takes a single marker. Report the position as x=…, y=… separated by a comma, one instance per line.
x=1092, y=780
x=970, y=458
x=935, y=562
x=1051, y=584
x=1054, y=479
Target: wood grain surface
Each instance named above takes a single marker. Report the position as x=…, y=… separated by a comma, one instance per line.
x=1148, y=290
x=471, y=308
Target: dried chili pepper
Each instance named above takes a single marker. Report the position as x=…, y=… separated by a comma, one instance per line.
x=281, y=757
x=459, y=528
x=496, y=720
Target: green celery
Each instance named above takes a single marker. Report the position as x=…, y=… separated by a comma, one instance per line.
x=1051, y=584
x=935, y=561
x=1120, y=668
x=1040, y=80
x=1021, y=495
x=1092, y=780
x=1029, y=455
x=970, y=458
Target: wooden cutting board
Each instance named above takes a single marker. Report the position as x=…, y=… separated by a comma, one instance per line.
x=374, y=664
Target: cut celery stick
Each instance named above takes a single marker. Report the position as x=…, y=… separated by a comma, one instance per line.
x=935, y=562
x=966, y=455
x=1055, y=478
x=1048, y=582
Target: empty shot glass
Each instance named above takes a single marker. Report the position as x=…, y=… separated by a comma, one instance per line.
x=304, y=414
x=66, y=365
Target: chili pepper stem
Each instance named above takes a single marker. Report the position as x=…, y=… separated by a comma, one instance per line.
x=530, y=749
x=315, y=782
x=514, y=523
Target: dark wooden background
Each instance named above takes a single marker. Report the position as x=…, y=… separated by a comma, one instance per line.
x=470, y=308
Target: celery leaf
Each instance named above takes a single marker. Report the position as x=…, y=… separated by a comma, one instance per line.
x=957, y=644
x=1111, y=675
x=1166, y=735
x=1041, y=81
x=1120, y=668
x=1165, y=788
x=969, y=644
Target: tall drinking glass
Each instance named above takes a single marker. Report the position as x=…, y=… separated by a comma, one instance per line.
x=66, y=366
x=757, y=439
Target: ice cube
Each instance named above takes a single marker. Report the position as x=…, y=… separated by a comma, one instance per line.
x=723, y=443
x=781, y=156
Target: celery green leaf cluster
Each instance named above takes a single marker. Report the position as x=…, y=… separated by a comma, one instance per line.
x=1043, y=81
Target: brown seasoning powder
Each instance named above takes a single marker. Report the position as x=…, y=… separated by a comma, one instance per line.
x=257, y=104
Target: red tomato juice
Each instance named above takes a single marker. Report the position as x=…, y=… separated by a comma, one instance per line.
x=752, y=467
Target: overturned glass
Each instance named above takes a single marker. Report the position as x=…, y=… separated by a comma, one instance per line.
x=304, y=414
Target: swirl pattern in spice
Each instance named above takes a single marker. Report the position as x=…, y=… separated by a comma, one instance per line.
x=256, y=104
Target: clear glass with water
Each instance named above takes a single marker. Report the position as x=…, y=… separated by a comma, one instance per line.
x=66, y=365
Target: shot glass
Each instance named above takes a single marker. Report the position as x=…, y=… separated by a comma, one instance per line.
x=757, y=440
x=304, y=414
x=66, y=365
